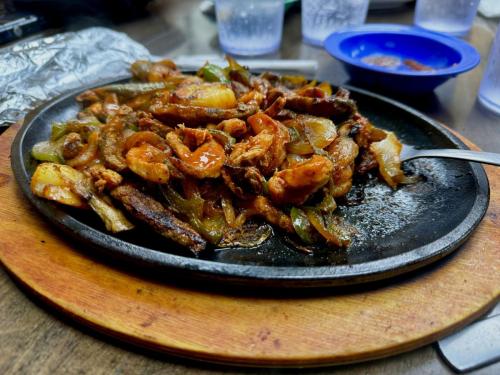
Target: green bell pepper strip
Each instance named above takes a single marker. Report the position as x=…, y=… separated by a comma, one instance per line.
x=302, y=225
x=129, y=90
x=328, y=204
x=327, y=227
x=84, y=127
x=236, y=72
x=47, y=151
x=58, y=130
x=211, y=228
x=213, y=73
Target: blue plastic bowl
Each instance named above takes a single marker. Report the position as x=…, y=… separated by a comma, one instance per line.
x=358, y=47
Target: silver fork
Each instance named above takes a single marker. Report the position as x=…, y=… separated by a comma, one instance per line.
x=409, y=152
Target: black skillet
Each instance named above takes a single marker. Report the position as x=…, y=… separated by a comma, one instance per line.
x=398, y=231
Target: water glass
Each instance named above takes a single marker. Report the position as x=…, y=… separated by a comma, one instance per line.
x=452, y=17
x=249, y=27
x=320, y=18
x=489, y=91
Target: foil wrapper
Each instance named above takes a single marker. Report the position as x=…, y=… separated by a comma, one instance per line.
x=35, y=71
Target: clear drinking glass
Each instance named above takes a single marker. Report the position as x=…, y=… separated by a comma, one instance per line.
x=320, y=18
x=249, y=27
x=489, y=91
x=453, y=17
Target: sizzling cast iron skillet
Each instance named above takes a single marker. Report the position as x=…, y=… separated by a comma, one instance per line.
x=398, y=230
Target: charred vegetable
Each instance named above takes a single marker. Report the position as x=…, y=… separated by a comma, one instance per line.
x=213, y=73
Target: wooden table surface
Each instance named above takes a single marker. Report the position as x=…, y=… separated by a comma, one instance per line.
x=37, y=340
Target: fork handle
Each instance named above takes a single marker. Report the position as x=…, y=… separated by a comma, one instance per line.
x=481, y=157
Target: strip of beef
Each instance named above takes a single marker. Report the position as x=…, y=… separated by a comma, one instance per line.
x=151, y=124
x=343, y=151
x=194, y=115
x=111, y=139
x=275, y=108
x=331, y=106
x=338, y=106
x=155, y=215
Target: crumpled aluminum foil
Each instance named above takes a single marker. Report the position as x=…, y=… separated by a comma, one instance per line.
x=35, y=71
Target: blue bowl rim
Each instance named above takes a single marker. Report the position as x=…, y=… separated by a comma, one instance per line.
x=469, y=56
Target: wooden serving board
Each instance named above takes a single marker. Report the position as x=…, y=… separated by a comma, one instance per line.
x=301, y=328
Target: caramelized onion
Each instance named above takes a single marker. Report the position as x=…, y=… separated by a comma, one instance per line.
x=313, y=133
x=387, y=153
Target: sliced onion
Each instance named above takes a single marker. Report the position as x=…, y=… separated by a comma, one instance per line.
x=293, y=159
x=250, y=235
x=302, y=225
x=326, y=88
x=327, y=228
x=228, y=209
x=319, y=131
x=210, y=95
x=387, y=153
x=314, y=133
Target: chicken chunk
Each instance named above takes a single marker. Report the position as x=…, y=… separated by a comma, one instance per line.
x=295, y=185
x=263, y=124
x=206, y=161
x=252, y=150
x=343, y=152
x=261, y=206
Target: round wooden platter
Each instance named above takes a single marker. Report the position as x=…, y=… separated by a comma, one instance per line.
x=299, y=328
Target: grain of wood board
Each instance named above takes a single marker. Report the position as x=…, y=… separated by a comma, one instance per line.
x=309, y=329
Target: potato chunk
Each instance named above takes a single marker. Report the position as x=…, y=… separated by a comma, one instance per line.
x=211, y=95
x=53, y=181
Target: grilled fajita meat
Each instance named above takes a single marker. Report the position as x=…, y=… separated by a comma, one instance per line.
x=194, y=115
x=331, y=106
x=155, y=215
x=220, y=147
x=111, y=140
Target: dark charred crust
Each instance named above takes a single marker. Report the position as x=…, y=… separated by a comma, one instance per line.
x=155, y=215
x=276, y=93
